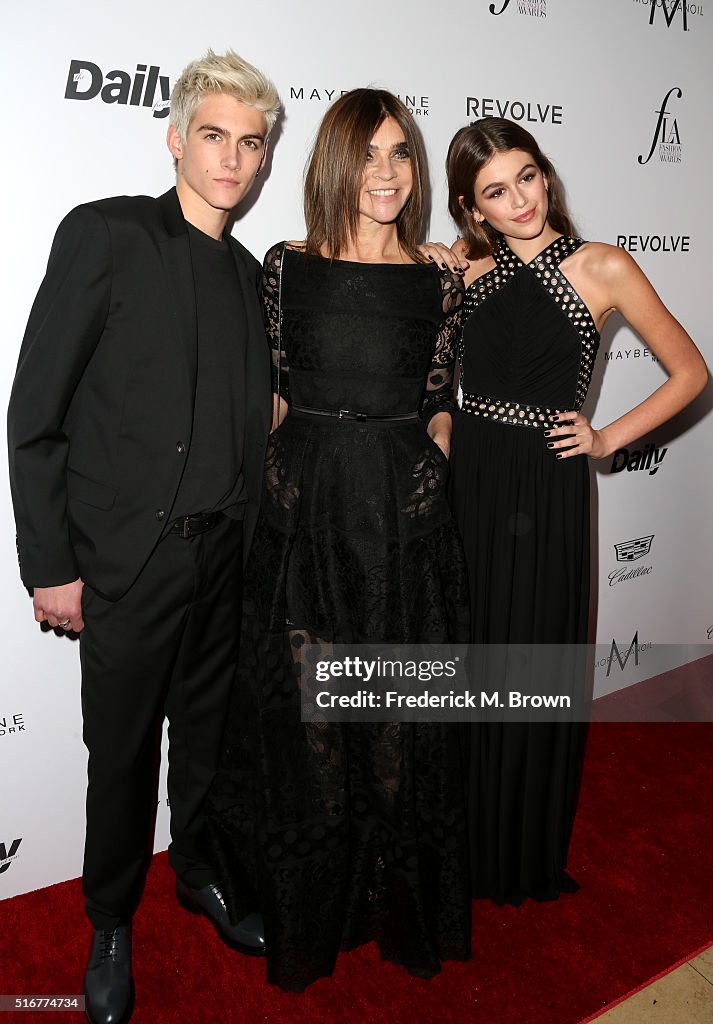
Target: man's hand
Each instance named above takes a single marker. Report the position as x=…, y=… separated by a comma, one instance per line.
x=60, y=606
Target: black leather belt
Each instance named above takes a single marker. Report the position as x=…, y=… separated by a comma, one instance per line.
x=189, y=526
x=348, y=414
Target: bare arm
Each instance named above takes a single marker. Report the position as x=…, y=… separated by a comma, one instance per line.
x=440, y=427
x=279, y=411
x=616, y=282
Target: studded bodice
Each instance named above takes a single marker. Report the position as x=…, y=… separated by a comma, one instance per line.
x=529, y=342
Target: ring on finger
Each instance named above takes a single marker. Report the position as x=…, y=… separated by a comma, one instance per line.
x=65, y=625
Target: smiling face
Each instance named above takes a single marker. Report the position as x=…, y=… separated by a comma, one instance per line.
x=387, y=179
x=218, y=160
x=511, y=194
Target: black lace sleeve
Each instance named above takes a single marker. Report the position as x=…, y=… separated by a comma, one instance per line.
x=439, y=395
x=270, y=298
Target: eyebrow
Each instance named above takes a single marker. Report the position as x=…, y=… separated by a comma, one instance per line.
x=500, y=184
x=396, y=145
x=227, y=134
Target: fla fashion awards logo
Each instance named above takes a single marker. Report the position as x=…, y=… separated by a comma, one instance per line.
x=7, y=856
x=533, y=8
x=146, y=87
x=666, y=141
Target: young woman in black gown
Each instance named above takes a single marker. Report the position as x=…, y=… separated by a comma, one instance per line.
x=350, y=832
x=536, y=301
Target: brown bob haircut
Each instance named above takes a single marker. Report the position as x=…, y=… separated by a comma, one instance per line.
x=470, y=150
x=336, y=165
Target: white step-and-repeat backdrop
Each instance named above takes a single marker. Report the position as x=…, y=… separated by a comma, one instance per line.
x=618, y=92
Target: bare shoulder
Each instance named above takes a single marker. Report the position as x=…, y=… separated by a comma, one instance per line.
x=602, y=263
x=297, y=246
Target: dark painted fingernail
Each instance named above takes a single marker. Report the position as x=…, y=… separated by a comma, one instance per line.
x=547, y=433
x=558, y=455
x=443, y=266
x=551, y=444
x=430, y=257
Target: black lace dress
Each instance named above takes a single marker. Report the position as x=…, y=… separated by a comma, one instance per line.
x=528, y=350
x=345, y=833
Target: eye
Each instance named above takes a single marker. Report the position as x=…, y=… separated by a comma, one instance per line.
x=402, y=153
x=251, y=144
x=496, y=194
x=213, y=137
x=529, y=176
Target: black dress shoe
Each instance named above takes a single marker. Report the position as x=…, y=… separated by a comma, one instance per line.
x=247, y=936
x=108, y=986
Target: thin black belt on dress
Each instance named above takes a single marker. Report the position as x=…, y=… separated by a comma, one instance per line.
x=347, y=414
x=514, y=413
x=189, y=526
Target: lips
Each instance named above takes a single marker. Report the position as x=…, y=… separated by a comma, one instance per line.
x=525, y=218
x=383, y=193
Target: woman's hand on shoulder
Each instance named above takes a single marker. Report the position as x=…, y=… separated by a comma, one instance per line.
x=453, y=259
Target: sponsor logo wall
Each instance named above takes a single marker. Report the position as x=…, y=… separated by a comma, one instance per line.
x=12, y=725
x=617, y=93
x=671, y=13
x=86, y=81
x=631, y=551
x=527, y=111
x=533, y=8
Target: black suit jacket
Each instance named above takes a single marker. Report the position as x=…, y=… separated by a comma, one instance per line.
x=101, y=411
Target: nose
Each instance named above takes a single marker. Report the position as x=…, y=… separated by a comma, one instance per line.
x=518, y=198
x=231, y=158
x=385, y=168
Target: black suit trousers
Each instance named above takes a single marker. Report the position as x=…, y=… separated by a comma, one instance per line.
x=168, y=646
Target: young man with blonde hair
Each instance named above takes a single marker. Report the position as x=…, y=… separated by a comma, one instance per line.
x=137, y=429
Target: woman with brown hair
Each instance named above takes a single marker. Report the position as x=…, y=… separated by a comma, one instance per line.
x=349, y=832
x=536, y=300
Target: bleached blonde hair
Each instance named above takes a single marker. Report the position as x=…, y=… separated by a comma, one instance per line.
x=221, y=73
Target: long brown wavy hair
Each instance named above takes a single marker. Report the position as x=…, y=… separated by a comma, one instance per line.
x=470, y=150
x=336, y=165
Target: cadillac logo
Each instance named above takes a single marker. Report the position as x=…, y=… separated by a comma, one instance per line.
x=630, y=550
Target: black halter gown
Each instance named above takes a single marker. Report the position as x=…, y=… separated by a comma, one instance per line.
x=528, y=349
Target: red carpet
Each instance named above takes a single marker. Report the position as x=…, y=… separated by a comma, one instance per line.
x=641, y=852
